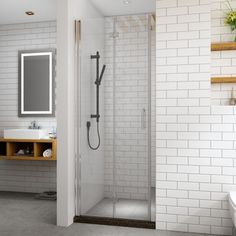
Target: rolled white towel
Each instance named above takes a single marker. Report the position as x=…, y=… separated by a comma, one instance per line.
x=47, y=153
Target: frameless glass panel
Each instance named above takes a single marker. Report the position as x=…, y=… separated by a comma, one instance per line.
x=92, y=200
x=152, y=105
x=131, y=117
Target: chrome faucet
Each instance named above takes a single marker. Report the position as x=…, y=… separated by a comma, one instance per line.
x=33, y=125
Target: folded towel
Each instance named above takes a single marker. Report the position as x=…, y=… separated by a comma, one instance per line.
x=47, y=153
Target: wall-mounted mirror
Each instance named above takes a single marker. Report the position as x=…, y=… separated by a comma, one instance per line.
x=36, y=83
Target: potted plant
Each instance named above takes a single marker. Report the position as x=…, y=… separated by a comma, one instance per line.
x=230, y=18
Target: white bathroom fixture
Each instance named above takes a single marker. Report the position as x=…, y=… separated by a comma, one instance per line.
x=25, y=133
x=232, y=206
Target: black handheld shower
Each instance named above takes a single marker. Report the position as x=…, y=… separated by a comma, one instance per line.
x=102, y=73
x=97, y=115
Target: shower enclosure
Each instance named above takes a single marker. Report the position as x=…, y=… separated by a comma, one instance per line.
x=118, y=179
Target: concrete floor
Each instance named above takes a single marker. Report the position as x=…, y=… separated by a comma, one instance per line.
x=22, y=215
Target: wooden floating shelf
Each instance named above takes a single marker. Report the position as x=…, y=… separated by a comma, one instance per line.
x=9, y=148
x=217, y=80
x=225, y=46
x=26, y=158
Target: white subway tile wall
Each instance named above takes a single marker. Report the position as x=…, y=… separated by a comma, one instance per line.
x=131, y=84
x=22, y=176
x=196, y=158
x=223, y=62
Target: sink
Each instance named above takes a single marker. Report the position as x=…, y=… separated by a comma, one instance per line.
x=25, y=133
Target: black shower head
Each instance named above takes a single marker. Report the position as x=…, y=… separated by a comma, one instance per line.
x=102, y=73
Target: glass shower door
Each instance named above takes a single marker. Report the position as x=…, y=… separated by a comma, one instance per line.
x=115, y=180
x=92, y=201
x=131, y=156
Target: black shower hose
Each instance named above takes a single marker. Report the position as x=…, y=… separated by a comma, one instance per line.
x=99, y=138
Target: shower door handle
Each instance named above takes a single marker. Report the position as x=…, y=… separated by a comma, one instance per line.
x=143, y=118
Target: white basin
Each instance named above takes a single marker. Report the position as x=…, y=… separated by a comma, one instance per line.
x=232, y=206
x=25, y=133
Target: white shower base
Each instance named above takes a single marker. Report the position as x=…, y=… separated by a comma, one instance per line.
x=124, y=208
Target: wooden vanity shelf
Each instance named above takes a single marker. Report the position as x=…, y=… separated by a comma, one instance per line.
x=224, y=46
x=217, y=80
x=9, y=148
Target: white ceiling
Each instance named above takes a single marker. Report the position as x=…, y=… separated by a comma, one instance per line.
x=13, y=11
x=117, y=7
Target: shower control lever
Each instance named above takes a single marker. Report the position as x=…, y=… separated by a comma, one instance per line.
x=95, y=116
x=96, y=56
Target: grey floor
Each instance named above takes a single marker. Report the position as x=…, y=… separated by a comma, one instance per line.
x=22, y=215
x=124, y=208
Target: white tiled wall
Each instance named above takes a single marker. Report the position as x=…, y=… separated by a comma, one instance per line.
x=23, y=176
x=131, y=84
x=223, y=62
x=196, y=164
